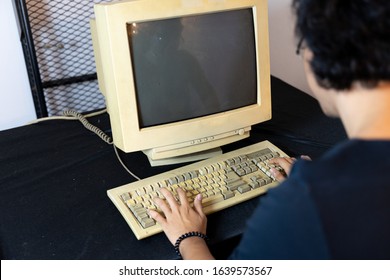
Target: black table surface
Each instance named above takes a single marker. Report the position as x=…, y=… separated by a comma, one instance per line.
x=54, y=176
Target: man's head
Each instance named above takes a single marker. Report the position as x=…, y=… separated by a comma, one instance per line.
x=348, y=41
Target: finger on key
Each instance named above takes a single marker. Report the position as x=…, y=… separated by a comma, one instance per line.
x=169, y=197
x=162, y=205
x=182, y=196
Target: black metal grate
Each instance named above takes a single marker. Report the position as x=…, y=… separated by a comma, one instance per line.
x=64, y=53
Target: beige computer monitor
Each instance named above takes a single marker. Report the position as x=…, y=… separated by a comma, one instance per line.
x=222, y=45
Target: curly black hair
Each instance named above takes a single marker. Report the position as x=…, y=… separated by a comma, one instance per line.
x=349, y=39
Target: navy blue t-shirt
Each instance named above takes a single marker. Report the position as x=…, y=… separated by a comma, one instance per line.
x=336, y=207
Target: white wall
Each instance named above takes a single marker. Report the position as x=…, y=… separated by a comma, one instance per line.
x=15, y=97
x=16, y=104
x=285, y=64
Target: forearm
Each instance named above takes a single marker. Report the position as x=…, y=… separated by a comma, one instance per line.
x=195, y=248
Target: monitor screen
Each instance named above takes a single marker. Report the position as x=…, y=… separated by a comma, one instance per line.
x=193, y=66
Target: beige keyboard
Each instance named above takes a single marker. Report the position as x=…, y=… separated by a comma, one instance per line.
x=224, y=181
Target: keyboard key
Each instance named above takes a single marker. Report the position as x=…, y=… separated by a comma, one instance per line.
x=227, y=194
x=244, y=188
x=235, y=185
x=147, y=222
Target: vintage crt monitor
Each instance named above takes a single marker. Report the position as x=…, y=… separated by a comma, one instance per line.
x=182, y=77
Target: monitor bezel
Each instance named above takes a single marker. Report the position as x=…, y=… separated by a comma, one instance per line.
x=115, y=74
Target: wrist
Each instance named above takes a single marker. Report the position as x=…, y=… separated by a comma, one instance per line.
x=189, y=239
x=194, y=248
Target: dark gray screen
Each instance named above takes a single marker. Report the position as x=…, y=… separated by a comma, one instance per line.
x=193, y=66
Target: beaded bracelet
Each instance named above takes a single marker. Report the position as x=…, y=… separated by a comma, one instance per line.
x=184, y=236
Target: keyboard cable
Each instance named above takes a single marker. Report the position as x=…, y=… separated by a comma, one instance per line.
x=74, y=115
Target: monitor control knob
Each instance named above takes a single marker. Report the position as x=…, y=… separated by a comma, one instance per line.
x=241, y=131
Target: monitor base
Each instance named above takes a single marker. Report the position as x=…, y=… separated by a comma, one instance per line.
x=185, y=158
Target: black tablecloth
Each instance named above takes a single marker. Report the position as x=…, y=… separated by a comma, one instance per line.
x=54, y=176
